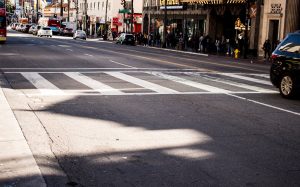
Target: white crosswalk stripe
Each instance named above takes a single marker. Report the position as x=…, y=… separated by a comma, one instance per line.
x=235, y=84
x=161, y=82
x=42, y=84
x=247, y=78
x=96, y=85
x=143, y=83
x=190, y=83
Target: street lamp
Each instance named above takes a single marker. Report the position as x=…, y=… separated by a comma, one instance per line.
x=247, y=4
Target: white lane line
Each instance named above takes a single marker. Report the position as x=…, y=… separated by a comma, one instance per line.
x=148, y=85
x=190, y=83
x=88, y=55
x=43, y=85
x=233, y=75
x=232, y=83
x=122, y=64
x=69, y=49
x=96, y=85
x=264, y=104
x=266, y=76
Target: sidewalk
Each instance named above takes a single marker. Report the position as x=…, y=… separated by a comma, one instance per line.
x=17, y=165
x=256, y=60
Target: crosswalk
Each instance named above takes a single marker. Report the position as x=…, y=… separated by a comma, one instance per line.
x=138, y=83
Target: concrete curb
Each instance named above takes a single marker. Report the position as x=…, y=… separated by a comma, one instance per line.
x=17, y=164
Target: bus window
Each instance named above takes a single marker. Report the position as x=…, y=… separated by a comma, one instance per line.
x=2, y=22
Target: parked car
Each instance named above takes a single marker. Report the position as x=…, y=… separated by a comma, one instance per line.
x=285, y=68
x=79, y=34
x=26, y=28
x=126, y=38
x=67, y=32
x=30, y=31
x=55, y=30
x=35, y=29
x=13, y=26
x=44, y=31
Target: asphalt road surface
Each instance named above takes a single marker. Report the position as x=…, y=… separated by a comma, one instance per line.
x=95, y=113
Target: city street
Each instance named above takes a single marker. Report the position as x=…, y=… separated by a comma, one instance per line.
x=95, y=113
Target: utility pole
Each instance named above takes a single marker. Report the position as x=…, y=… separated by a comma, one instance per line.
x=246, y=43
x=37, y=11
x=165, y=27
x=85, y=16
x=68, y=10
x=132, y=12
x=76, y=14
x=61, y=9
x=105, y=25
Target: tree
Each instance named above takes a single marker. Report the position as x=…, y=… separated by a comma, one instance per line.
x=10, y=8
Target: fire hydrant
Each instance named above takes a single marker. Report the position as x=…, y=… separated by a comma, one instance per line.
x=236, y=53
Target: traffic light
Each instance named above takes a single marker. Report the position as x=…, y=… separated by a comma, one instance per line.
x=55, y=15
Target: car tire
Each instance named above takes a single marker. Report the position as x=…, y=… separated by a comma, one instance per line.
x=287, y=86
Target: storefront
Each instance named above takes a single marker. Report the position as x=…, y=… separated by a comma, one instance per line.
x=191, y=19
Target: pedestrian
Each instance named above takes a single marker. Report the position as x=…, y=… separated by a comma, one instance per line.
x=201, y=43
x=267, y=48
x=217, y=43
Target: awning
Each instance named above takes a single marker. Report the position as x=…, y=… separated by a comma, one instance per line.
x=213, y=1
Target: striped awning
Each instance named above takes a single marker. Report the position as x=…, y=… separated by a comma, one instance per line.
x=213, y=1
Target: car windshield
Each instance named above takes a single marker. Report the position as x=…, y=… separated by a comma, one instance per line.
x=46, y=28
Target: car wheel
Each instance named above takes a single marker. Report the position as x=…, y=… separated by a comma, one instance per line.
x=287, y=86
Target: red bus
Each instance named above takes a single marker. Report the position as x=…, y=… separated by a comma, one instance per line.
x=2, y=21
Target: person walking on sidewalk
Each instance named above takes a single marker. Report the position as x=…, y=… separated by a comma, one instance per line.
x=267, y=48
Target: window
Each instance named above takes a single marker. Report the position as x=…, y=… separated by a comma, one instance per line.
x=2, y=22
x=91, y=6
x=102, y=5
x=98, y=5
x=291, y=44
x=94, y=5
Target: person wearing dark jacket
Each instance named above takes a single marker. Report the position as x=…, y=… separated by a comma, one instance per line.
x=267, y=48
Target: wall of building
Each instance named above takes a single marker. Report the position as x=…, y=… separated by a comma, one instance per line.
x=272, y=11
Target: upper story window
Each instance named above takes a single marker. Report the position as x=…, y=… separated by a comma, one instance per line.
x=98, y=5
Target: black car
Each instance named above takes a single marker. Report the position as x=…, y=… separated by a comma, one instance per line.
x=285, y=69
x=126, y=38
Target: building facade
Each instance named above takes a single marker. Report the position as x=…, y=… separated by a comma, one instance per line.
x=242, y=24
x=107, y=12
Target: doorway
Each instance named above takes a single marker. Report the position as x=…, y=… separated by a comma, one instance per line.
x=273, y=33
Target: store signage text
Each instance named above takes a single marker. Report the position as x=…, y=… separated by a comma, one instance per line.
x=176, y=7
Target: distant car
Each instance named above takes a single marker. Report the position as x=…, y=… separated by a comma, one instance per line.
x=67, y=32
x=30, y=31
x=79, y=34
x=55, y=30
x=126, y=38
x=35, y=29
x=26, y=28
x=44, y=31
x=285, y=68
